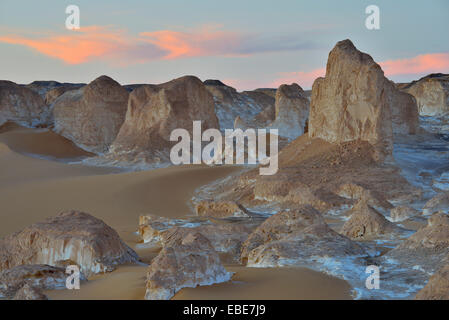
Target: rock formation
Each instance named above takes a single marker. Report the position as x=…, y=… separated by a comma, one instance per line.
x=40, y=276
x=71, y=235
x=431, y=93
x=21, y=105
x=440, y=202
x=437, y=288
x=247, y=105
x=356, y=102
x=401, y=213
x=220, y=209
x=189, y=261
x=92, y=115
x=292, y=111
x=154, y=111
x=366, y=223
x=54, y=93
x=28, y=292
x=294, y=237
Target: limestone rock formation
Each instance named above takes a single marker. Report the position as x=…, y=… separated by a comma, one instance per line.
x=295, y=237
x=247, y=105
x=154, y=111
x=92, y=115
x=431, y=93
x=189, y=261
x=292, y=111
x=71, y=235
x=357, y=192
x=40, y=276
x=22, y=105
x=401, y=213
x=355, y=101
x=220, y=209
x=366, y=223
x=440, y=202
x=437, y=288
x=54, y=93
x=28, y=292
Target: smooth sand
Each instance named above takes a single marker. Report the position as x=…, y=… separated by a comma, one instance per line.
x=32, y=189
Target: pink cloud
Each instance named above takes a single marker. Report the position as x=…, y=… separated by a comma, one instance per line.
x=422, y=64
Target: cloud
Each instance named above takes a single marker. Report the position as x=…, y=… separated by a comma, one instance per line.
x=117, y=47
x=422, y=64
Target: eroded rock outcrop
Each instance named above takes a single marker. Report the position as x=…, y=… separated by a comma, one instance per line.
x=39, y=276
x=54, y=93
x=71, y=235
x=440, y=202
x=292, y=111
x=355, y=101
x=401, y=213
x=295, y=237
x=220, y=209
x=366, y=223
x=255, y=108
x=22, y=105
x=188, y=261
x=154, y=111
x=92, y=115
x=431, y=93
x=28, y=292
x=437, y=288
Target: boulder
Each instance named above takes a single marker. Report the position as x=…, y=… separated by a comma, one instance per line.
x=187, y=262
x=401, y=213
x=292, y=111
x=440, y=202
x=437, y=288
x=28, y=292
x=154, y=111
x=92, y=115
x=40, y=276
x=366, y=223
x=431, y=93
x=22, y=105
x=356, y=102
x=74, y=235
x=295, y=237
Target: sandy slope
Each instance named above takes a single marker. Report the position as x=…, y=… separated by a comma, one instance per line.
x=32, y=189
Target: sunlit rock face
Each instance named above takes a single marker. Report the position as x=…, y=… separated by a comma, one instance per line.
x=92, y=115
x=154, y=111
x=439, y=203
x=54, y=93
x=355, y=101
x=71, y=235
x=255, y=108
x=187, y=261
x=431, y=93
x=292, y=111
x=22, y=105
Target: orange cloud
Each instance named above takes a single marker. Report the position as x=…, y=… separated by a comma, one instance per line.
x=74, y=48
x=422, y=64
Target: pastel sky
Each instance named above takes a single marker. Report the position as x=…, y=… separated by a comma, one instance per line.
x=245, y=43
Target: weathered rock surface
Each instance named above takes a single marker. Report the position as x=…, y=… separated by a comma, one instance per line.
x=71, y=235
x=22, y=105
x=92, y=115
x=401, y=213
x=366, y=223
x=247, y=105
x=292, y=111
x=440, y=202
x=220, y=209
x=28, y=292
x=154, y=111
x=355, y=101
x=431, y=93
x=357, y=192
x=189, y=261
x=54, y=93
x=437, y=288
x=40, y=276
x=294, y=237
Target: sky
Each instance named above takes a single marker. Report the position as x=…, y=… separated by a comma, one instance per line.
x=247, y=44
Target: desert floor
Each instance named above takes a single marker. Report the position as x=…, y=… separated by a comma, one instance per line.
x=37, y=181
